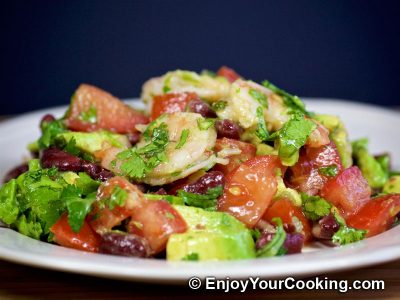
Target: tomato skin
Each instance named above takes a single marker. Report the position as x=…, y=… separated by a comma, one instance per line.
x=377, y=215
x=349, y=191
x=110, y=112
x=170, y=103
x=228, y=73
x=103, y=219
x=250, y=188
x=305, y=173
x=286, y=210
x=248, y=151
x=86, y=239
x=156, y=220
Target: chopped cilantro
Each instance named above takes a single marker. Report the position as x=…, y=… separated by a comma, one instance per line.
x=89, y=116
x=171, y=199
x=183, y=138
x=137, y=162
x=292, y=136
x=49, y=132
x=346, y=235
x=294, y=104
x=315, y=207
x=219, y=105
x=262, y=131
x=206, y=201
x=330, y=171
x=204, y=123
x=78, y=205
x=275, y=246
x=260, y=97
x=191, y=257
x=117, y=198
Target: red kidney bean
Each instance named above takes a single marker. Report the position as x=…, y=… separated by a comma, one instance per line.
x=47, y=119
x=209, y=180
x=229, y=129
x=161, y=191
x=325, y=228
x=202, y=108
x=15, y=172
x=133, y=137
x=124, y=244
x=95, y=171
x=293, y=243
x=63, y=161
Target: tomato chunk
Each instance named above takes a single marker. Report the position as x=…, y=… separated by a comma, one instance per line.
x=307, y=174
x=247, y=151
x=349, y=191
x=102, y=218
x=86, y=239
x=156, y=220
x=170, y=103
x=93, y=109
x=377, y=215
x=287, y=211
x=228, y=73
x=250, y=188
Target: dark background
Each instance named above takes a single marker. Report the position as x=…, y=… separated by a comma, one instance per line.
x=342, y=49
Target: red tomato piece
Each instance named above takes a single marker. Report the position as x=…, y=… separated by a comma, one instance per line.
x=86, y=239
x=103, y=219
x=286, y=210
x=349, y=191
x=170, y=103
x=377, y=215
x=228, y=73
x=156, y=220
x=250, y=188
x=93, y=109
x=306, y=173
x=248, y=151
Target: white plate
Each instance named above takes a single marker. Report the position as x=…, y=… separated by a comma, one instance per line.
x=380, y=125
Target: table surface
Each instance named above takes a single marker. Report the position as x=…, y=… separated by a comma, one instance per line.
x=24, y=282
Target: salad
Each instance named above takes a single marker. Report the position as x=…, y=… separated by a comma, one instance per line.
x=216, y=167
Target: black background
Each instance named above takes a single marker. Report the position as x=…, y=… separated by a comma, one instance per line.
x=342, y=49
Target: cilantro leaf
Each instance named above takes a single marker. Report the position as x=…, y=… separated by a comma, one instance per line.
x=90, y=115
x=206, y=201
x=219, y=105
x=137, y=162
x=330, y=171
x=260, y=97
x=346, y=235
x=294, y=104
x=193, y=256
x=183, y=138
x=262, y=131
x=8, y=202
x=292, y=136
x=49, y=132
x=204, y=123
x=275, y=246
x=315, y=207
x=117, y=198
x=78, y=205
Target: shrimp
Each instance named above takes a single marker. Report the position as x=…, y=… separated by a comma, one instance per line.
x=243, y=100
x=208, y=88
x=184, y=157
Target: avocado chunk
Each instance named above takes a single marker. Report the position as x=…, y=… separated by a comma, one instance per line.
x=371, y=168
x=90, y=142
x=287, y=193
x=392, y=186
x=211, y=236
x=338, y=134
